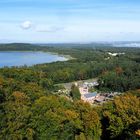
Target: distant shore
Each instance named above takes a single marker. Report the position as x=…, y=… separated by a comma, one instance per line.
x=68, y=57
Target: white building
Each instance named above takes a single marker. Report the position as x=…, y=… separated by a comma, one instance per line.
x=83, y=90
x=115, y=54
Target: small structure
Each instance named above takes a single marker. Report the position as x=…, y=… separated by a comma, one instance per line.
x=100, y=99
x=89, y=97
x=115, y=54
x=90, y=84
x=76, y=84
x=95, y=83
x=83, y=90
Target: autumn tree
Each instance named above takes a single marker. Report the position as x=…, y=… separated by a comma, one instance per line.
x=121, y=114
x=17, y=113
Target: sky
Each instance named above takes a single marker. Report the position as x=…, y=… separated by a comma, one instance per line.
x=69, y=21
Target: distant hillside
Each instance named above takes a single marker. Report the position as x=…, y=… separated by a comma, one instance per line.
x=18, y=47
x=58, y=47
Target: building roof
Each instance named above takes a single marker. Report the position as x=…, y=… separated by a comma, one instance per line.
x=100, y=99
x=90, y=95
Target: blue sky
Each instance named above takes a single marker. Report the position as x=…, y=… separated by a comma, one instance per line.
x=52, y=21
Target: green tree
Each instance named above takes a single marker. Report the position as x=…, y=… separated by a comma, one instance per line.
x=75, y=93
x=46, y=83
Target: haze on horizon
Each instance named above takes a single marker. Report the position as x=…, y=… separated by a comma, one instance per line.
x=54, y=21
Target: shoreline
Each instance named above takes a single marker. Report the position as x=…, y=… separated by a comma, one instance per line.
x=68, y=57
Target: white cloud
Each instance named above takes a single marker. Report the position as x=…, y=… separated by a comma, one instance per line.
x=26, y=25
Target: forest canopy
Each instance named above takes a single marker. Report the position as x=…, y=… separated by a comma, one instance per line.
x=29, y=109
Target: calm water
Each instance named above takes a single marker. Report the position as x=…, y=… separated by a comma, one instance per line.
x=27, y=58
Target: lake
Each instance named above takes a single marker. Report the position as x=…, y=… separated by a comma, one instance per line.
x=19, y=58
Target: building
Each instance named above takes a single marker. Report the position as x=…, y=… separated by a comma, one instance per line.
x=83, y=90
x=91, y=84
x=115, y=54
x=100, y=99
x=89, y=97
